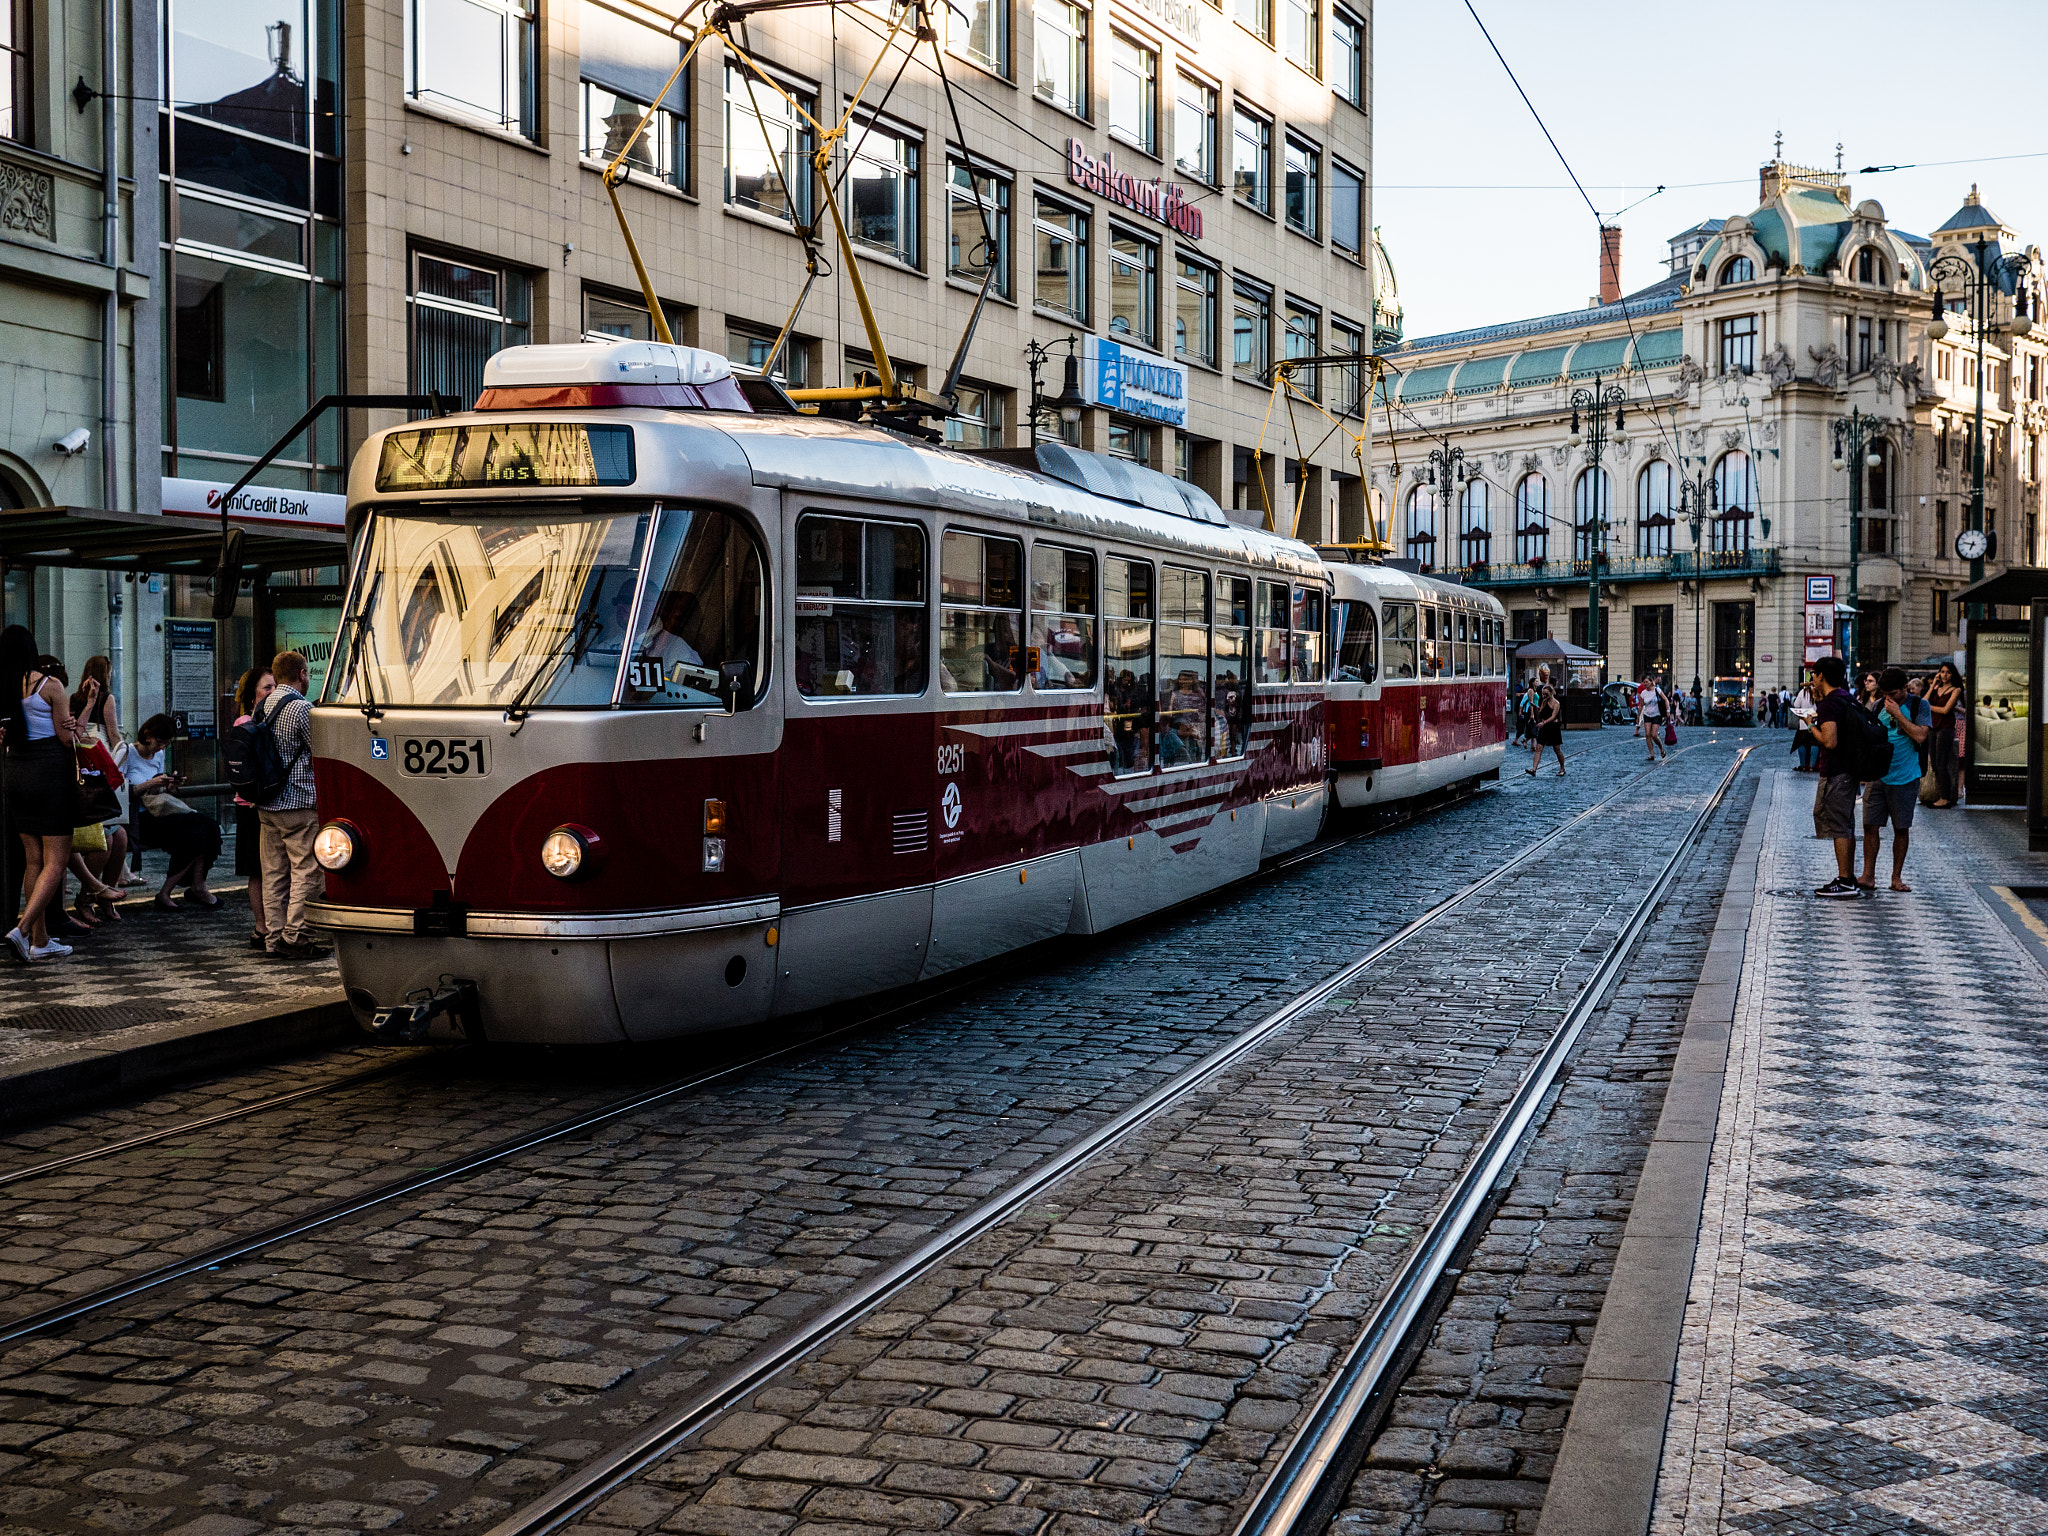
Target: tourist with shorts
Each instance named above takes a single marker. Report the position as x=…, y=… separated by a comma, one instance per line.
x=1650, y=705
x=1907, y=723
x=1834, y=797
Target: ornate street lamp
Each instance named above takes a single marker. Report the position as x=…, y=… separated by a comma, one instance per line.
x=1982, y=283
x=1068, y=402
x=1856, y=438
x=1448, y=471
x=1596, y=404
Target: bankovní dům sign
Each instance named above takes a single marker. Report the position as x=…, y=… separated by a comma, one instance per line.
x=1154, y=199
x=1133, y=383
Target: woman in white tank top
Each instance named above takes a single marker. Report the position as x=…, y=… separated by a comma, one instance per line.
x=41, y=776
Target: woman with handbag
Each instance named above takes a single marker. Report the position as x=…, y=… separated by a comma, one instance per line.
x=101, y=862
x=41, y=787
x=191, y=841
x=250, y=693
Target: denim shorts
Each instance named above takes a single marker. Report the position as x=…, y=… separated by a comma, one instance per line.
x=1890, y=802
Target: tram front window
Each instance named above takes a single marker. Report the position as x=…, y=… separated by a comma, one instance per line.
x=502, y=611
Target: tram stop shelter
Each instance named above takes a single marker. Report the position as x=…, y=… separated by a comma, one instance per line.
x=1579, y=669
x=2005, y=732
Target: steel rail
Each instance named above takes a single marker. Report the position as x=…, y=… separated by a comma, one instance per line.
x=576, y=1494
x=1302, y=1494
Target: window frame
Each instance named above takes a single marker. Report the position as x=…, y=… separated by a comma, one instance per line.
x=906, y=173
x=1078, y=62
x=800, y=192
x=1347, y=84
x=1204, y=624
x=1244, y=290
x=1147, y=266
x=1261, y=197
x=1301, y=335
x=1539, y=509
x=1592, y=506
x=1206, y=294
x=519, y=20
x=1142, y=719
x=17, y=72
x=1736, y=511
x=1342, y=611
x=989, y=421
x=1124, y=50
x=515, y=292
x=1348, y=393
x=985, y=537
x=1655, y=509
x=1736, y=269
x=1256, y=17
x=1223, y=597
x=1207, y=107
x=1341, y=169
x=922, y=606
x=1080, y=236
x=998, y=206
x=1739, y=335
x=1475, y=522
x=1418, y=526
x=798, y=347
x=960, y=33
x=1091, y=618
x=669, y=129
x=1311, y=31
x=1310, y=199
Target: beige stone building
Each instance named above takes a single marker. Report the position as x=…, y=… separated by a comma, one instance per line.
x=1726, y=481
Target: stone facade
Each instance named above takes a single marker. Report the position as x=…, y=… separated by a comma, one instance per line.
x=1735, y=372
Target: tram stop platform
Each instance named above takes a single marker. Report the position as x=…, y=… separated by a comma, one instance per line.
x=157, y=996
x=1832, y=1294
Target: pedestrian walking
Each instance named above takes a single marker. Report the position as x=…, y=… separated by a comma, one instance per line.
x=250, y=693
x=1893, y=798
x=1803, y=742
x=1834, y=798
x=289, y=818
x=37, y=790
x=1650, y=706
x=1549, y=724
x=1943, y=697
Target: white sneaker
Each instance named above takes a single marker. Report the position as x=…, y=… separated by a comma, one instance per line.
x=50, y=951
x=18, y=942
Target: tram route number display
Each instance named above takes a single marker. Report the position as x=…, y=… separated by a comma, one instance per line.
x=438, y=757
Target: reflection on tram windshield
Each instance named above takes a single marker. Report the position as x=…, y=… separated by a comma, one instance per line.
x=515, y=612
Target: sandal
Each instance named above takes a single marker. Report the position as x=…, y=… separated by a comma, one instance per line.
x=109, y=905
x=81, y=916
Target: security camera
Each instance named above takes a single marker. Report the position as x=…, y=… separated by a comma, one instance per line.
x=72, y=443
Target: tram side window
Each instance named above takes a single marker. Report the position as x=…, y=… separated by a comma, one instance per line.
x=1230, y=696
x=701, y=611
x=1400, y=640
x=1063, y=617
x=1308, y=634
x=1461, y=657
x=1127, y=614
x=1432, y=653
x=1357, y=645
x=1271, y=634
x=1493, y=656
x=981, y=618
x=861, y=606
x=1183, y=734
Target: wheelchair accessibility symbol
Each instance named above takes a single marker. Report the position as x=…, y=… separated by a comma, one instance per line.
x=380, y=749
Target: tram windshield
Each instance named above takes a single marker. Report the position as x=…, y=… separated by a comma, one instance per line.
x=497, y=610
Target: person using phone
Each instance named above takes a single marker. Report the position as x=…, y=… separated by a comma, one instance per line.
x=190, y=840
x=1893, y=798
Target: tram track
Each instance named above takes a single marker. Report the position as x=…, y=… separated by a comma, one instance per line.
x=597, y=1480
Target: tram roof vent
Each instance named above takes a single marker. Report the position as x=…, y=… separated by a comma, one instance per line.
x=604, y=362
x=1113, y=479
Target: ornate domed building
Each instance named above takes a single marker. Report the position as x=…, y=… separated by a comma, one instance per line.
x=1386, y=299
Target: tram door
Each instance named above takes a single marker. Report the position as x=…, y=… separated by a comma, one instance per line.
x=857, y=775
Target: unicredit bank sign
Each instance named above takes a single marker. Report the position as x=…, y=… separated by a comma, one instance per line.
x=1133, y=383
x=1163, y=201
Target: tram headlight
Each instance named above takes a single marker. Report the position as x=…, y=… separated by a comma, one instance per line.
x=336, y=846
x=569, y=853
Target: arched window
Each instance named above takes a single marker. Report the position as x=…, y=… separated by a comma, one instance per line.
x=1592, y=506
x=1422, y=526
x=1532, y=519
x=1475, y=523
x=1735, y=496
x=1653, y=510
x=1872, y=268
x=1740, y=269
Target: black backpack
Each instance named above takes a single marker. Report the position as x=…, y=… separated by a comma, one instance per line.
x=256, y=769
x=1863, y=749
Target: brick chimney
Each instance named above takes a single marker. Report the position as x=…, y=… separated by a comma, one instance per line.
x=1610, y=263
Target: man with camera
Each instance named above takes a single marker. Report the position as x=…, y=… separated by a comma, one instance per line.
x=1893, y=798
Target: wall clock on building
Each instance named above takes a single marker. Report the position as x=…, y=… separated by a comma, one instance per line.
x=1971, y=544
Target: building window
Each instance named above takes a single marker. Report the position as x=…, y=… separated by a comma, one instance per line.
x=624, y=67
x=1133, y=288
x=881, y=191
x=1653, y=511
x=1941, y=549
x=978, y=226
x=1304, y=339
x=750, y=349
x=1347, y=383
x=462, y=312
x=1420, y=527
x=609, y=121
x=1739, y=269
x=1183, y=457
x=1194, y=130
x=1532, y=522
x=1871, y=341
x=1944, y=364
x=1872, y=268
x=1252, y=161
x=1876, y=532
x=1304, y=187
x=1347, y=56
x=1060, y=43
x=1060, y=234
x=626, y=318
x=767, y=161
x=1304, y=40
x=1735, y=495
x=1250, y=331
x=1347, y=208
x=977, y=419
x=1133, y=92
x=1475, y=523
x=981, y=32
x=474, y=56
x=1256, y=17
x=1194, y=313
x=1939, y=622
x=1130, y=442
x=1592, y=510
x=2033, y=377
x=1738, y=344
x=1941, y=443
x=14, y=71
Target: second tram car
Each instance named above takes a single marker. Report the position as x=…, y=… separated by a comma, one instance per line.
x=651, y=714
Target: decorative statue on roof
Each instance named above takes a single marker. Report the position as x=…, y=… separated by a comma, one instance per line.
x=1779, y=367
x=1828, y=366
x=1909, y=375
x=1689, y=374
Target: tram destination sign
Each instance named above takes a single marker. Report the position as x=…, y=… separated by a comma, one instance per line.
x=1154, y=199
x=497, y=454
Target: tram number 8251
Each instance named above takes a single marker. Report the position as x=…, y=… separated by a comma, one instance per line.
x=431, y=757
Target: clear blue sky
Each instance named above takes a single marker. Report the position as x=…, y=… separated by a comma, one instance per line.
x=1639, y=94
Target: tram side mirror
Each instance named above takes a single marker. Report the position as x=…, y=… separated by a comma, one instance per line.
x=732, y=677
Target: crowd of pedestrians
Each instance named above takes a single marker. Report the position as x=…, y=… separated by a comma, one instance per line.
x=78, y=799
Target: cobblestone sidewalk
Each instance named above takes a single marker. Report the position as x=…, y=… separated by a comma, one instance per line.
x=1863, y=1349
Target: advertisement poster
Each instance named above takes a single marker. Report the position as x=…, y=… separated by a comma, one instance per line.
x=309, y=629
x=1998, y=702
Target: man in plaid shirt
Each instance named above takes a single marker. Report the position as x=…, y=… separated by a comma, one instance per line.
x=289, y=819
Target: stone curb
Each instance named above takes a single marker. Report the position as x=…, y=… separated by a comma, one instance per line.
x=152, y=1054
x=1605, y=1481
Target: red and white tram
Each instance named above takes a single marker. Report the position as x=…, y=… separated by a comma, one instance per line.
x=651, y=714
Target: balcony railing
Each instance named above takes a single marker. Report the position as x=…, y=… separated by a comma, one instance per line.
x=1758, y=561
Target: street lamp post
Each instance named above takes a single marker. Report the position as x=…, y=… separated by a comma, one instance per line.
x=1447, y=467
x=1069, y=401
x=1596, y=403
x=1698, y=498
x=1856, y=439
x=1982, y=283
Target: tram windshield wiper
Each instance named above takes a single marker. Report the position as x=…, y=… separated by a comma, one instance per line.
x=579, y=641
